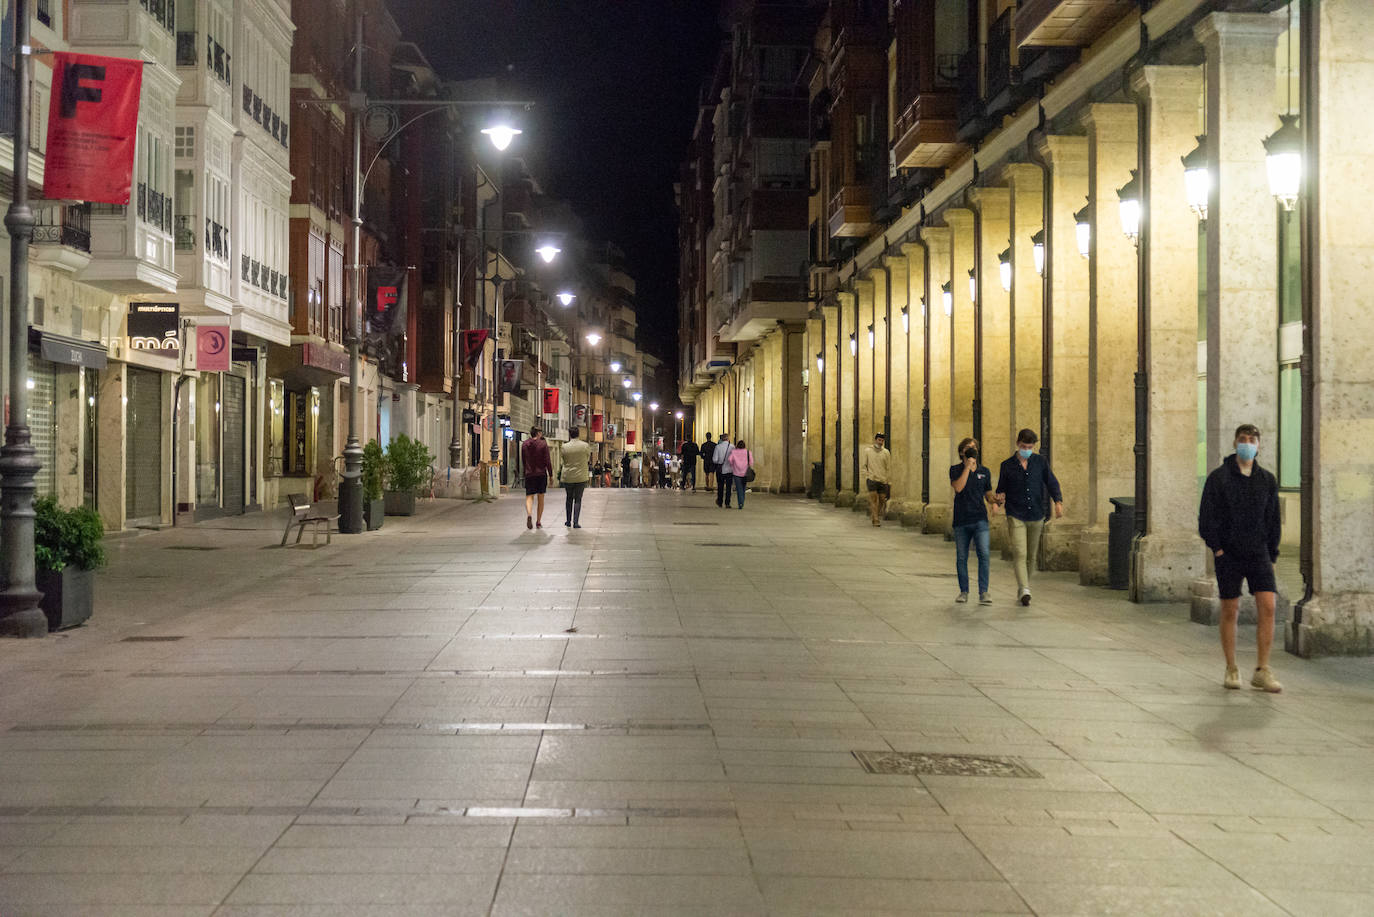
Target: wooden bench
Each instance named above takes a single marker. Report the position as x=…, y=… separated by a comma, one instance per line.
x=301, y=517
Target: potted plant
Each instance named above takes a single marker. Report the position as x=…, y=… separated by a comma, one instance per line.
x=67, y=552
x=374, y=463
x=407, y=470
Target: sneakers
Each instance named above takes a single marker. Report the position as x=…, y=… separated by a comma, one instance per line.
x=963, y=597
x=1025, y=597
x=529, y=522
x=985, y=598
x=1265, y=681
x=568, y=524
x=1232, y=679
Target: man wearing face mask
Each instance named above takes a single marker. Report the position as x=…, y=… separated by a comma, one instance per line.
x=1239, y=521
x=1022, y=484
x=972, y=484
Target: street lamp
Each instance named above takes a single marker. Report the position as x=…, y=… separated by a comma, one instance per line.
x=972, y=286
x=548, y=251
x=653, y=405
x=501, y=135
x=593, y=338
x=1083, y=231
x=1197, y=181
x=820, y=362
x=1129, y=196
x=947, y=296
x=870, y=337
x=1004, y=269
x=615, y=366
x=626, y=382
x=906, y=320
x=1283, y=159
x=637, y=396
x=566, y=298
x=1038, y=251
x=853, y=345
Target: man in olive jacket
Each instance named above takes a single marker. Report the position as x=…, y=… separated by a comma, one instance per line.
x=1239, y=521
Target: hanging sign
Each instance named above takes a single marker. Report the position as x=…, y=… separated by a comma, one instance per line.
x=598, y=422
x=581, y=415
x=511, y=373
x=153, y=327
x=92, y=123
x=212, y=348
x=629, y=437
x=473, y=342
x=550, y=400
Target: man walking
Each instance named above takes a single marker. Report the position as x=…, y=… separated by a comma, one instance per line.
x=723, y=482
x=708, y=463
x=1022, y=483
x=875, y=464
x=689, y=455
x=534, y=457
x=972, y=483
x=625, y=470
x=1239, y=520
x=576, y=455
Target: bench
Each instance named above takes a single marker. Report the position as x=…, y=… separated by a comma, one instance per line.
x=301, y=517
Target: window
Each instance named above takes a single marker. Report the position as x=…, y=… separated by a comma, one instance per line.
x=1290, y=350
x=185, y=143
x=275, y=432
x=1290, y=426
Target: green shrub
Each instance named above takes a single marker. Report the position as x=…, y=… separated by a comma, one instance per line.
x=66, y=537
x=407, y=465
x=374, y=462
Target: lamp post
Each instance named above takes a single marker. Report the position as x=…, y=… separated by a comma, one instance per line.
x=19, y=612
x=653, y=431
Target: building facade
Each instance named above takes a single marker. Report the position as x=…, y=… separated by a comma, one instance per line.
x=1086, y=220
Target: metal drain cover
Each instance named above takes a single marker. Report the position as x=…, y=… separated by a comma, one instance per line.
x=935, y=765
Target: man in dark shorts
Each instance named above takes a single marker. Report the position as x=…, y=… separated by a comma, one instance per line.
x=1239, y=521
x=534, y=456
x=708, y=463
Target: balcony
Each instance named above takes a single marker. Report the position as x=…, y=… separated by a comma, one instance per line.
x=62, y=235
x=1067, y=23
x=927, y=131
x=851, y=211
x=971, y=113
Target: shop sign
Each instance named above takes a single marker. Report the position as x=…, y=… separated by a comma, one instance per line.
x=213, y=343
x=153, y=327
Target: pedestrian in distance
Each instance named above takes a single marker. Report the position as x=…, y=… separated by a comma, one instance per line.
x=625, y=470
x=1023, y=482
x=534, y=457
x=718, y=457
x=688, y=454
x=650, y=475
x=708, y=463
x=674, y=471
x=739, y=461
x=1239, y=521
x=576, y=455
x=875, y=467
x=662, y=470
x=972, y=483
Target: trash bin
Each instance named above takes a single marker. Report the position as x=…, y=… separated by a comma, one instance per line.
x=817, y=481
x=1120, y=529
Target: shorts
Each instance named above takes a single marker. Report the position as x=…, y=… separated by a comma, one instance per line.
x=536, y=484
x=879, y=487
x=1257, y=571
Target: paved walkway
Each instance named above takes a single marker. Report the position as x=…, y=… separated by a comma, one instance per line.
x=657, y=714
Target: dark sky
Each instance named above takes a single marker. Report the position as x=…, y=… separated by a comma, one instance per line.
x=616, y=82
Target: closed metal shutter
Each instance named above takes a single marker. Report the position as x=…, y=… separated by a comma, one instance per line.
x=143, y=464
x=232, y=412
x=43, y=422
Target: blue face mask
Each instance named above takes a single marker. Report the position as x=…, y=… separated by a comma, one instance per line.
x=1246, y=452
x=1025, y=453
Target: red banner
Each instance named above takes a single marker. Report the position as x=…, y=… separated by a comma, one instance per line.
x=92, y=123
x=473, y=341
x=629, y=437
x=212, y=348
x=550, y=401
x=598, y=422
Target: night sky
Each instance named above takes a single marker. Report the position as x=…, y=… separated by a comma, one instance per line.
x=617, y=83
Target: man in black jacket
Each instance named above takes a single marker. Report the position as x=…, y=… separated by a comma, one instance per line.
x=689, y=464
x=708, y=465
x=1239, y=521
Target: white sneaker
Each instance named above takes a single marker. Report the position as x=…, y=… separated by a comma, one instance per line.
x=963, y=597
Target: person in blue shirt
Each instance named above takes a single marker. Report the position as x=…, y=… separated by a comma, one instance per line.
x=1023, y=482
x=972, y=483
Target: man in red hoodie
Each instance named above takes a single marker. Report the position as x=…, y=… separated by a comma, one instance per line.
x=534, y=456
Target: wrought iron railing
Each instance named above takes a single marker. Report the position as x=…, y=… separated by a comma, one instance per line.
x=185, y=235
x=217, y=240
x=63, y=224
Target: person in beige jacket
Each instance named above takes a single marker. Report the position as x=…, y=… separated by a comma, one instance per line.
x=576, y=453
x=875, y=469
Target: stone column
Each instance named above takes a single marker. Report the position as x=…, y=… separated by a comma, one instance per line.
x=994, y=303
x=812, y=344
x=1027, y=217
x=1242, y=253
x=960, y=222
x=864, y=365
x=937, y=513
x=904, y=494
x=1339, y=618
x=829, y=348
x=913, y=513
x=1111, y=333
x=792, y=351
x=844, y=371
x=1068, y=160
x=1170, y=555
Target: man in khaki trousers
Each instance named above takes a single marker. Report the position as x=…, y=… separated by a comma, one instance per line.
x=875, y=469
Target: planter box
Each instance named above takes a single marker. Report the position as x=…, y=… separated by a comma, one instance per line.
x=68, y=597
x=374, y=511
x=399, y=503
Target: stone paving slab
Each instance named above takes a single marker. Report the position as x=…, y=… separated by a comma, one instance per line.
x=658, y=713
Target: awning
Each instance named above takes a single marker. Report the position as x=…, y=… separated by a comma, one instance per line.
x=59, y=348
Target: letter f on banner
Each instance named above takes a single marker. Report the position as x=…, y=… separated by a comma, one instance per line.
x=92, y=125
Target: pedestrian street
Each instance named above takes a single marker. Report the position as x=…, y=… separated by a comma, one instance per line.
x=676, y=709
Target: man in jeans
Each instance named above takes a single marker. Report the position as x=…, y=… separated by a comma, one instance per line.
x=972, y=483
x=875, y=468
x=1239, y=521
x=724, y=485
x=1022, y=484
x=576, y=454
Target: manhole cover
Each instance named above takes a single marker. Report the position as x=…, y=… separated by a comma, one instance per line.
x=190, y=547
x=150, y=639
x=723, y=544
x=918, y=763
